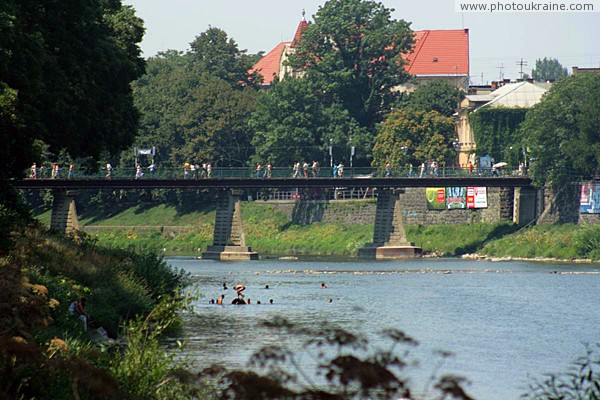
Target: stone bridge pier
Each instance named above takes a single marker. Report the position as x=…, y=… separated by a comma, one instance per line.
x=229, y=243
x=64, y=213
x=389, y=236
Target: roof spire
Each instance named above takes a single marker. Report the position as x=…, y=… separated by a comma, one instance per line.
x=303, y=14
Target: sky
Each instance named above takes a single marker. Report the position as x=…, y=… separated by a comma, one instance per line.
x=497, y=41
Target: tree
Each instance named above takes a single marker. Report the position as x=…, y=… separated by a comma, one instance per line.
x=562, y=132
x=71, y=65
x=412, y=137
x=191, y=115
x=354, y=50
x=216, y=54
x=437, y=96
x=292, y=124
x=548, y=69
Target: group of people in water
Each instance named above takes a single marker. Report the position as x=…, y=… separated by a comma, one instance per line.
x=241, y=298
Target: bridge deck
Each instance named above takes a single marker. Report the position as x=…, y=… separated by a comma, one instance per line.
x=250, y=183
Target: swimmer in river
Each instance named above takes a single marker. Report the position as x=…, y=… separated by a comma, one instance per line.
x=266, y=287
x=224, y=286
x=212, y=301
x=323, y=285
x=331, y=300
x=271, y=301
x=248, y=302
x=258, y=302
x=220, y=299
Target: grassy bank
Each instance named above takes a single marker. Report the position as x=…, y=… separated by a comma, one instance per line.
x=45, y=352
x=269, y=231
x=566, y=241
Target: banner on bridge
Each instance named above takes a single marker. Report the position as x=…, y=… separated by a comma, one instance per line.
x=590, y=198
x=477, y=197
x=436, y=198
x=456, y=198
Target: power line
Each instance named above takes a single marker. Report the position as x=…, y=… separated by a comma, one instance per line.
x=521, y=64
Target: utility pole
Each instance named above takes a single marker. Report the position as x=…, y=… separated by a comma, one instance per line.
x=501, y=68
x=521, y=64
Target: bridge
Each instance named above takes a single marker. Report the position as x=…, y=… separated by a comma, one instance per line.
x=389, y=238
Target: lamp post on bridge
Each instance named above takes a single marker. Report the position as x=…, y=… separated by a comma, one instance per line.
x=331, y=153
x=352, y=152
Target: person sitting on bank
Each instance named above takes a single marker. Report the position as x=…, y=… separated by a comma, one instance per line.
x=78, y=308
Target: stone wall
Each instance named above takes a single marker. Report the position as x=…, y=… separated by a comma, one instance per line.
x=414, y=204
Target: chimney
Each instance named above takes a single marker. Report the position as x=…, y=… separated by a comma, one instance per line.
x=494, y=85
x=506, y=81
x=530, y=80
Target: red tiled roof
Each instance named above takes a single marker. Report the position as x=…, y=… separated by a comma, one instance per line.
x=301, y=27
x=439, y=52
x=268, y=66
x=449, y=47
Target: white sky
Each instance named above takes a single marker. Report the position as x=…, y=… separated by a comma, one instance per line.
x=495, y=39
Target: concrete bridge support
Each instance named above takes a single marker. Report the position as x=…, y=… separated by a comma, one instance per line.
x=525, y=205
x=64, y=213
x=229, y=243
x=389, y=236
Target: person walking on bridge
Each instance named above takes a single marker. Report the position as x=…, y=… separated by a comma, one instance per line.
x=296, y=170
x=258, y=170
x=33, y=174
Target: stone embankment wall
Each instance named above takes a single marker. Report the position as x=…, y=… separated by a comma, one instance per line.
x=414, y=204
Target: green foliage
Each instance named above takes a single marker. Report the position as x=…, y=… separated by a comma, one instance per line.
x=587, y=241
x=408, y=136
x=293, y=123
x=353, y=49
x=580, y=381
x=71, y=65
x=549, y=241
x=347, y=367
x=438, y=96
x=548, y=69
x=191, y=115
x=496, y=130
x=219, y=56
x=563, y=131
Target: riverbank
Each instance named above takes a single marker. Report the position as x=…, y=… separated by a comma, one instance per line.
x=46, y=353
x=269, y=231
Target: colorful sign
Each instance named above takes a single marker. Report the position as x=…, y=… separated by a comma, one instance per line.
x=590, y=198
x=436, y=198
x=456, y=198
x=476, y=197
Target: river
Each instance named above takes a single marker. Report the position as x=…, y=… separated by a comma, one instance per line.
x=505, y=322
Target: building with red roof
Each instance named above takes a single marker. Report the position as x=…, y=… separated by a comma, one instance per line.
x=437, y=54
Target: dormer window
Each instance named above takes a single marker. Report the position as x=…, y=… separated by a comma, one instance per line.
x=435, y=59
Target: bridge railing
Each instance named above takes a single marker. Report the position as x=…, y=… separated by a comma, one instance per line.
x=277, y=173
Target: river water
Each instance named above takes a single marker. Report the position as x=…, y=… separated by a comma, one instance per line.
x=505, y=322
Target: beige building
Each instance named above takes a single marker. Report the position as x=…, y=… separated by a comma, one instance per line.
x=523, y=94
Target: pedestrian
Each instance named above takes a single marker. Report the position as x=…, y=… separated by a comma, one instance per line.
x=341, y=170
x=33, y=174
x=296, y=169
x=41, y=171
x=57, y=171
x=151, y=170
x=77, y=308
x=470, y=167
x=186, y=170
x=259, y=170
x=315, y=168
x=410, y=170
x=138, y=172
x=269, y=170
x=71, y=172
x=53, y=172
x=422, y=170
x=434, y=166
x=208, y=170
x=335, y=171
x=388, y=169
x=305, y=169
x=204, y=171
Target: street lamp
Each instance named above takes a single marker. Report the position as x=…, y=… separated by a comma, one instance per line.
x=352, y=151
x=331, y=153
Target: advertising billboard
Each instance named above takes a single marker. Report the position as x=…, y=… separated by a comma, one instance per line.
x=590, y=198
x=436, y=198
x=477, y=197
x=456, y=198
